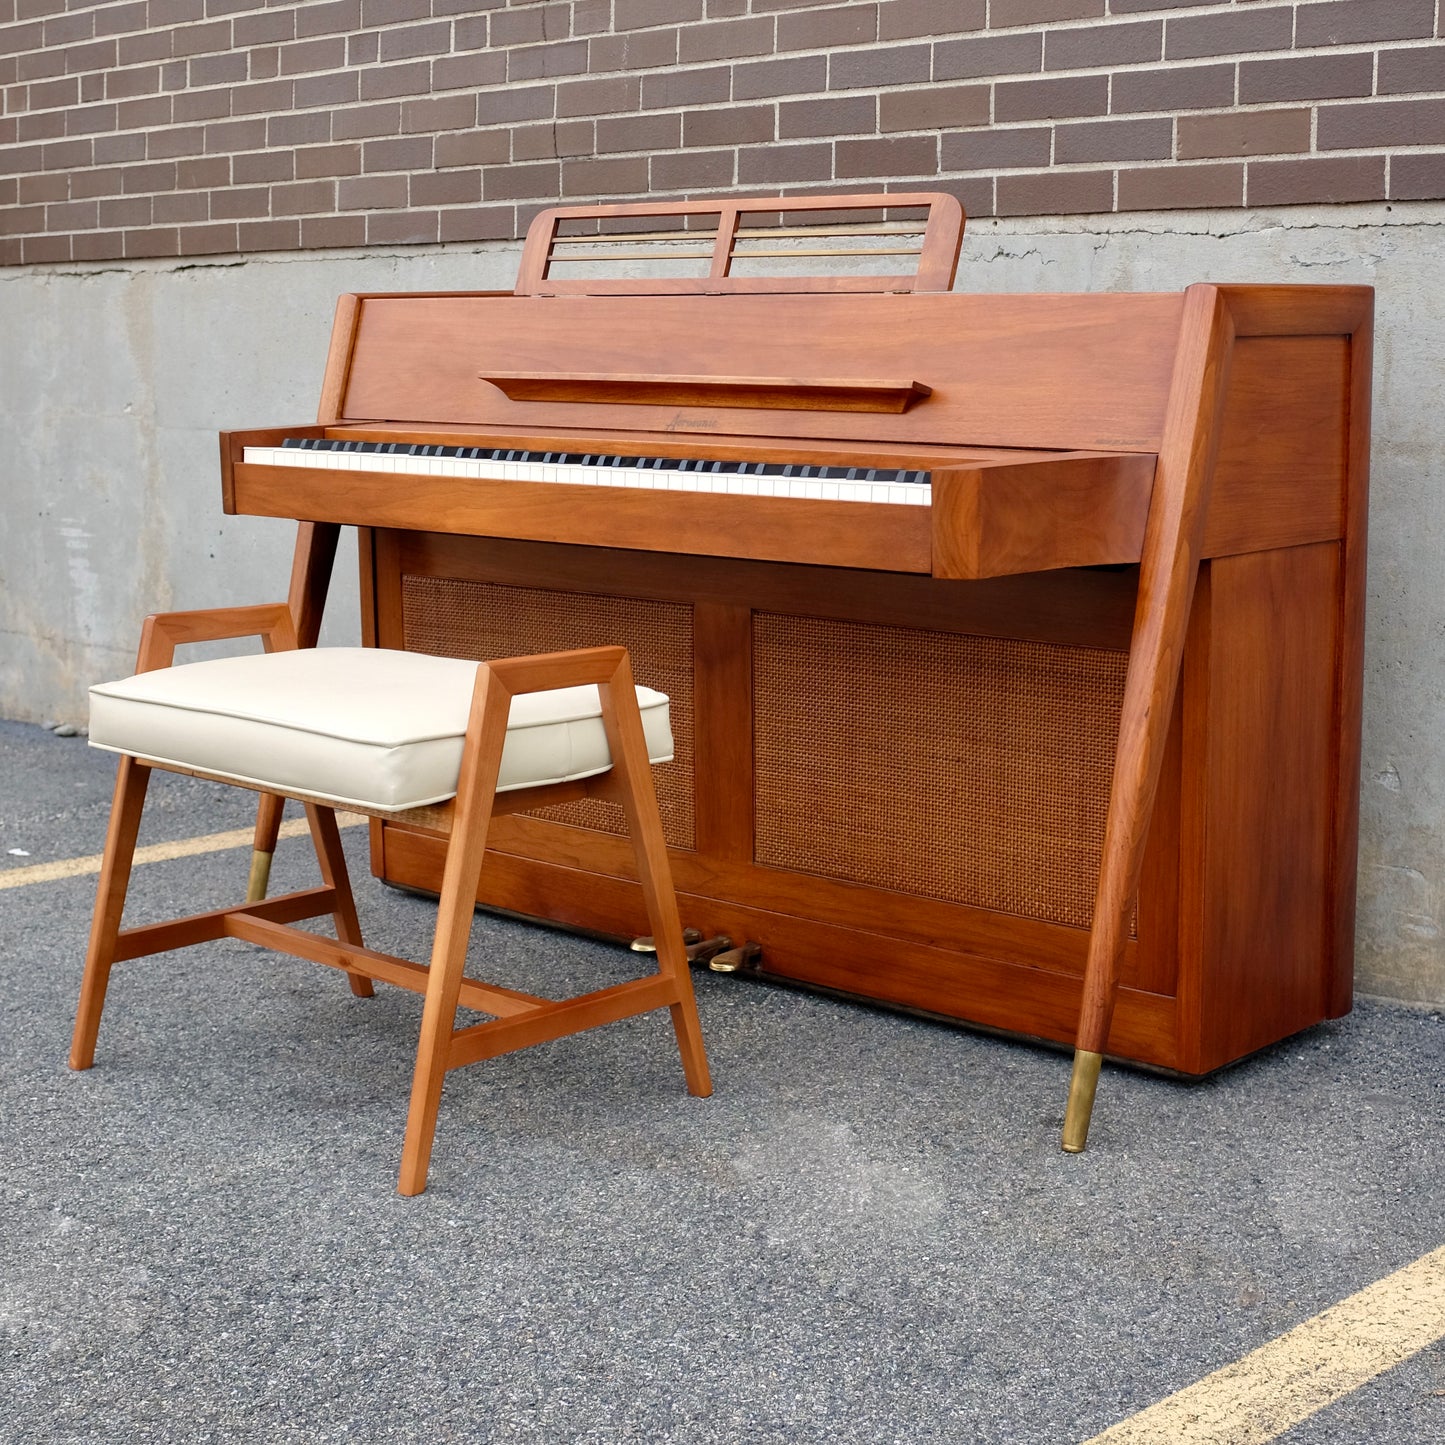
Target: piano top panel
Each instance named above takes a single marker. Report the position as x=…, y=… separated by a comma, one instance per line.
x=1052, y=372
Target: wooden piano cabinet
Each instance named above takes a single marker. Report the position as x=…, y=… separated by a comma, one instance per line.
x=1080, y=726
x=897, y=785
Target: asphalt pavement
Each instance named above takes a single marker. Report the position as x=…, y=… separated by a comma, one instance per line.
x=868, y=1234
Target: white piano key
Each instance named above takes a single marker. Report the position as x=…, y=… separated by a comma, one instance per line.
x=730, y=483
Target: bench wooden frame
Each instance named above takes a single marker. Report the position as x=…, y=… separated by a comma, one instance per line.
x=519, y=1019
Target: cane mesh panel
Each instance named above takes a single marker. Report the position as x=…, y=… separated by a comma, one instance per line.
x=453, y=618
x=970, y=769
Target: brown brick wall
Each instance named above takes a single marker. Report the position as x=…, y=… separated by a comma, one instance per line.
x=182, y=127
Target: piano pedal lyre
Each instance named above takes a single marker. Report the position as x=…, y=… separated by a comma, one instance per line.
x=717, y=952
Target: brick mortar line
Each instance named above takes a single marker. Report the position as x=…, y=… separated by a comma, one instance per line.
x=1115, y=168
x=1171, y=221
x=1374, y=47
x=1396, y=147
x=1278, y=215
x=912, y=88
x=1202, y=8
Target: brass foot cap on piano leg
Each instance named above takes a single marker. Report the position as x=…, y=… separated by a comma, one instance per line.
x=260, y=876
x=1082, y=1084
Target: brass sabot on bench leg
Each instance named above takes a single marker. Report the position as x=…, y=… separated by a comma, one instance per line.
x=260, y=876
x=1082, y=1084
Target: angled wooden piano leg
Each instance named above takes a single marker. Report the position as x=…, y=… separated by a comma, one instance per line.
x=130, y=792
x=311, y=564
x=1167, y=576
x=263, y=847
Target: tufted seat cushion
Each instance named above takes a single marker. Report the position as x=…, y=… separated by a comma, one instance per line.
x=358, y=726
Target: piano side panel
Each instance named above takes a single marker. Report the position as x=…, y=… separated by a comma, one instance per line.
x=1264, y=693
x=1055, y=372
x=1350, y=664
x=1280, y=477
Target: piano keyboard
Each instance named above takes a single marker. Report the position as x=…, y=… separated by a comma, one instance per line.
x=667, y=474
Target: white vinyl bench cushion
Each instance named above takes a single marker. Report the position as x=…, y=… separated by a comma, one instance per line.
x=354, y=725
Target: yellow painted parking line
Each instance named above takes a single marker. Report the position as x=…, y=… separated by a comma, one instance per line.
x=1286, y=1381
x=158, y=852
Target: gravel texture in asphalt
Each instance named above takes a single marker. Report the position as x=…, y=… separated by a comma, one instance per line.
x=868, y=1234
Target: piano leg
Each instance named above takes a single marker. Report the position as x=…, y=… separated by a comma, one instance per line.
x=263, y=846
x=1167, y=574
x=311, y=564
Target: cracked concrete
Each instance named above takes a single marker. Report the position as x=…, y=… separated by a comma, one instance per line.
x=114, y=380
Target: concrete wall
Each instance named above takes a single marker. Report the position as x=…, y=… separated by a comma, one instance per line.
x=115, y=378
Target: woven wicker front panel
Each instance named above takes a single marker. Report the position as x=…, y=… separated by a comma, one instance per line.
x=452, y=618
x=970, y=769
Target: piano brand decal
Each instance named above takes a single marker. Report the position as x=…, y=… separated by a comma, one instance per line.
x=685, y=421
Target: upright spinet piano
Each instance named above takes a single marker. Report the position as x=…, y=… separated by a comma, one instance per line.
x=1013, y=641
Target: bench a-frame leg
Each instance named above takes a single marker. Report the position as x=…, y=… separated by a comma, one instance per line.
x=326, y=839
x=130, y=792
x=476, y=787
x=632, y=771
x=263, y=846
x=629, y=782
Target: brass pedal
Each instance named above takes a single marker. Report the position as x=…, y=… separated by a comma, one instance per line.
x=645, y=944
x=705, y=950
x=699, y=949
x=735, y=958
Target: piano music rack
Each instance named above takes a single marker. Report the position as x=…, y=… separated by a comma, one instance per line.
x=721, y=243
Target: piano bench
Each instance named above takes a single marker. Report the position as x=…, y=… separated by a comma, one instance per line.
x=438, y=743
